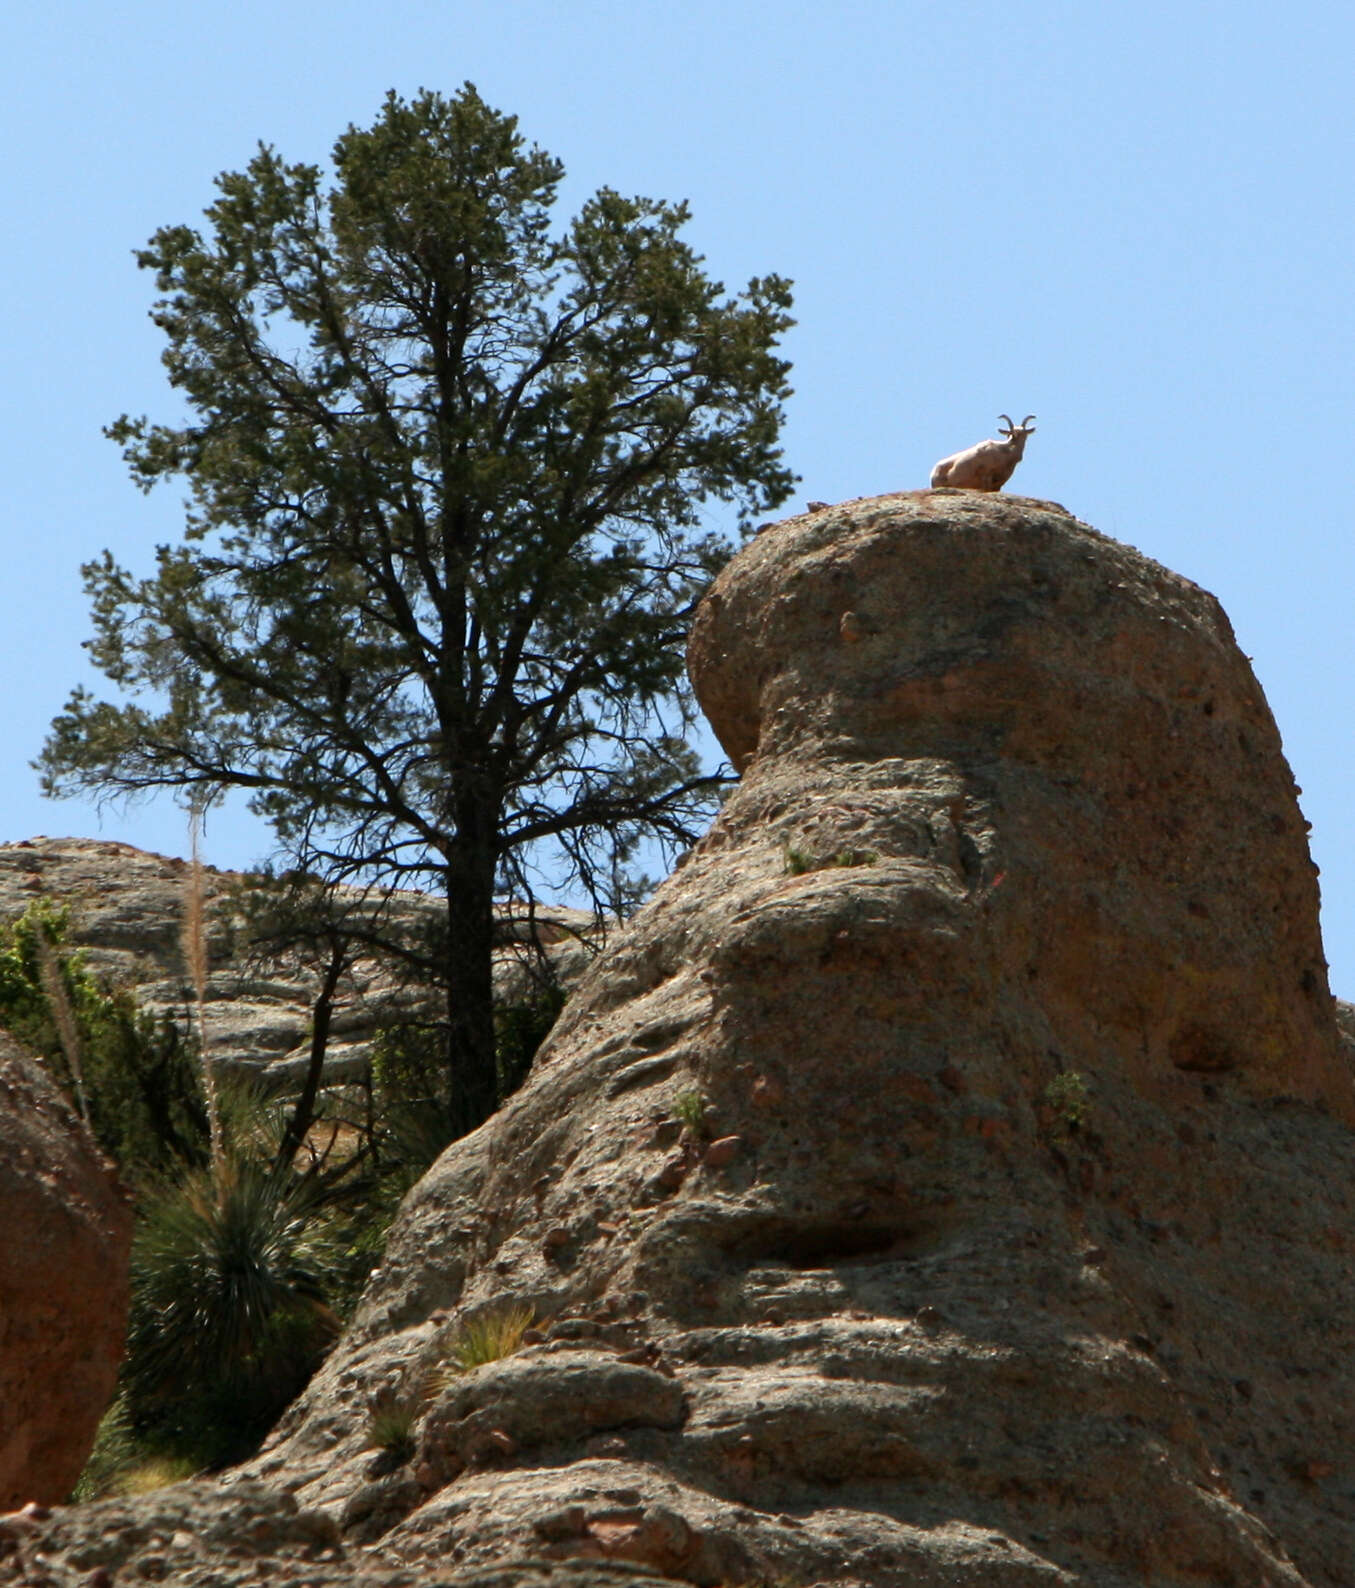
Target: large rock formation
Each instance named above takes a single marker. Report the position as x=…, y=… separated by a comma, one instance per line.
x=67, y=1232
x=127, y=909
x=947, y=1178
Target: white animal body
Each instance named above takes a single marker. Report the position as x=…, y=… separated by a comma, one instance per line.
x=988, y=465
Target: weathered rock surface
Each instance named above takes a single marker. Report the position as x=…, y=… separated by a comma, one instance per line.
x=66, y=1237
x=127, y=909
x=1013, y=1244
x=203, y=1536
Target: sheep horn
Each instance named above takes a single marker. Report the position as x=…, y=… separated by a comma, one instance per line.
x=1010, y=425
x=1027, y=420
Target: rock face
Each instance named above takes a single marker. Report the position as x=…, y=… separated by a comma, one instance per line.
x=127, y=909
x=1070, y=734
x=196, y=1534
x=63, y=1286
x=949, y=1177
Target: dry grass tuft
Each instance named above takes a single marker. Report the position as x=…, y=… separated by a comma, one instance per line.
x=156, y=1473
x=487, y=1338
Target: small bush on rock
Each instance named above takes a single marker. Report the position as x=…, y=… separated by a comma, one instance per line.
x=486, y=1338
x=689, y=1109
x=1066, y=1095
x=390, y=1428
x=800, y=861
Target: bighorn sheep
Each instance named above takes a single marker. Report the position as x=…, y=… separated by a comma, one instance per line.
x=988, y=465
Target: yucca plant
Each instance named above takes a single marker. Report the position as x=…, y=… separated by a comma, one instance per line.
x=229, y=1304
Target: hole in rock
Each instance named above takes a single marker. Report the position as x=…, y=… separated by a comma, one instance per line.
x=1197, y=1048
x=821, y=1243
x=824, y=1246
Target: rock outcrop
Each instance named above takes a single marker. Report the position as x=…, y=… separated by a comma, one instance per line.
x=947, y=1178
x=127, y=909
x=67, y=1233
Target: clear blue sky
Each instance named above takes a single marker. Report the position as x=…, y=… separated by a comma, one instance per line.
x=1132, y=220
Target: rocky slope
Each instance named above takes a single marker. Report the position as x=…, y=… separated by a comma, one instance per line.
x=947, y=1179
x=63, y=1285
x=127, y=908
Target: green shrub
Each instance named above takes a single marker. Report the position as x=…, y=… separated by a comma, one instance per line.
x=798, y=861
x=145, y=1092
x=230, y=1312
x=136, y=1078
x=689, y=1107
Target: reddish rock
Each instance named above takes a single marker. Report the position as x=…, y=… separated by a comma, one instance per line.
x=63, y=1287
x=722, y=1152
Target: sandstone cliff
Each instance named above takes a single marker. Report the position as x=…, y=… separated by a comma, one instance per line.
x=1007, y=1240
x=66, y=1233
x=127, y=909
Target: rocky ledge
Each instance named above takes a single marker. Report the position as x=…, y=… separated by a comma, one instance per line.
x=947, y=1178
x=127, y=909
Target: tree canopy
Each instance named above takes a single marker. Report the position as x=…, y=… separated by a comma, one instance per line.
x=449, y=480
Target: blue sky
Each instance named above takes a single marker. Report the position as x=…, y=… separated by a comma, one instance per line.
x=1132, y=220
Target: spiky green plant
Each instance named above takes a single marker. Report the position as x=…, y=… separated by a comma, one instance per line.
x=229, y=1305
x=390, y=1427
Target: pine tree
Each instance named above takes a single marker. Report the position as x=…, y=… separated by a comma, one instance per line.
x=448, y=477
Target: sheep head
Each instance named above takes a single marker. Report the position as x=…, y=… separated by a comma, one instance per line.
x=1016, y=434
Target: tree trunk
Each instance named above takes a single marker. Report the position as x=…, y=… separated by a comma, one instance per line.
x=303, y=1115
x=471, y=1068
